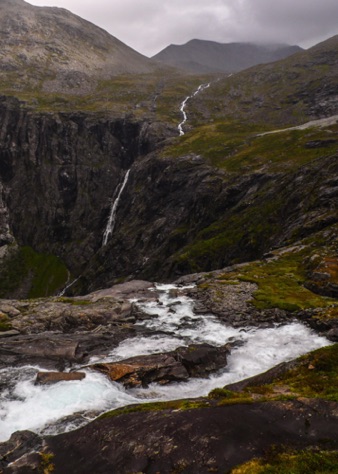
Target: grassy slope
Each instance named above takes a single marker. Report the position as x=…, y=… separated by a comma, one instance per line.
x=35, y=274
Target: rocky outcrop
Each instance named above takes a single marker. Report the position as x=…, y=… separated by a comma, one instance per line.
x=18, y=449
x=193, y=361
x=187, y=440
x=323, y=279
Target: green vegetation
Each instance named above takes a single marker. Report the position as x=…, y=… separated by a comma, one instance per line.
x=34, y=274
x=46, y=463
x=228, y=397
x=237, y=147
x=313, y=461
x=138, y=96
x=279, y=93
x=157, y=406
x=74, y=302
x=5, y=324
x=280, y=283
x=316, y=376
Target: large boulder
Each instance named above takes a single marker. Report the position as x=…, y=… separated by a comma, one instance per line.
x=197, y=360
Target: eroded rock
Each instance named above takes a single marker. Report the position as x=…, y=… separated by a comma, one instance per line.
x=194, y=361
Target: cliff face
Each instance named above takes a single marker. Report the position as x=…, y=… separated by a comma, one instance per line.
x=181, y=216
x=60, y=174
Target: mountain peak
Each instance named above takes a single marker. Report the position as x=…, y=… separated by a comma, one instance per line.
x=59, y=49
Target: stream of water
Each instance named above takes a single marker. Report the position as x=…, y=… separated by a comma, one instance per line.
x=112, y=216
x=173, y=323
x=200, y=88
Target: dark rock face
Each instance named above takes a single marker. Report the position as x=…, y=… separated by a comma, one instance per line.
x=60, y=173
x=194, y=361
x=18, y=448
x=159, y=224
x=192, y=441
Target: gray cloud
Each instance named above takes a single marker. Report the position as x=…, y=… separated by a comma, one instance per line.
x=150, y=25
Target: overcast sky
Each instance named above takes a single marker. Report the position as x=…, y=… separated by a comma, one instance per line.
x=150, y=25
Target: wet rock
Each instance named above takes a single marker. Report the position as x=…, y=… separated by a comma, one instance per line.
x=20, y=444
x=192, y=441
x=55, y=351
x=194, y=361
x=49, y=378
x=10, y=333
x=141, y=371
x=332, y=334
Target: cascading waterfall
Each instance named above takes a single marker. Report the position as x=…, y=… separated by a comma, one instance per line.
x=112, y=216
x=200, y=88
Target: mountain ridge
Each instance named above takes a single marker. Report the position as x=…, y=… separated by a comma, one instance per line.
x=204, y=56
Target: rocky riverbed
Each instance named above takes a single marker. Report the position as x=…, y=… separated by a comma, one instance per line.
x=66, y=360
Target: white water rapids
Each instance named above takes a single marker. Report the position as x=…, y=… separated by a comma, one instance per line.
x=112, y=216
x=184, y=103
x=24, y=405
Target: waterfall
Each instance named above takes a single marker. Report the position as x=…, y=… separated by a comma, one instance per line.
x=200, y=88
x=112, y=216
x=68, y=285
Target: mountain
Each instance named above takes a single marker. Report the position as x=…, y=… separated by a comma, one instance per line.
x=245, y=205
x=53, y=49
x=200, y=56
x=296, y=89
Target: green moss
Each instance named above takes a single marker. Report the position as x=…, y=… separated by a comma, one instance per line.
x=222, y=393
x=74, y=302
x=302, y=462
x=39, y=274
x=5, y=324
x=316, y=376
x=280, y=283
x=157, y=406
x=46, y=464
x=227, y=397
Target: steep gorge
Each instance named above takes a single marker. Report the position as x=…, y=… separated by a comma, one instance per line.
x=177, y=215
x=58, y=175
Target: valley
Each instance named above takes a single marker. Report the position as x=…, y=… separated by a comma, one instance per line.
x=173, y=237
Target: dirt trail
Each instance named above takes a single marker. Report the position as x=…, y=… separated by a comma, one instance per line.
x=324, y=122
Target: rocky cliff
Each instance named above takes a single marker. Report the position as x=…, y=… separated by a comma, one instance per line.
x=60, y=174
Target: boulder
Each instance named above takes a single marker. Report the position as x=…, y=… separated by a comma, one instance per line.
x=49, y=378
x=197, y=360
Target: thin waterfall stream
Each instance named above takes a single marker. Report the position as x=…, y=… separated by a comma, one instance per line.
x=172, y=323
x=200, y=88
x=112, y=216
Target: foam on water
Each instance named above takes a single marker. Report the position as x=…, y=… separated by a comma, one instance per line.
x=172, y=323
x=32, y=406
